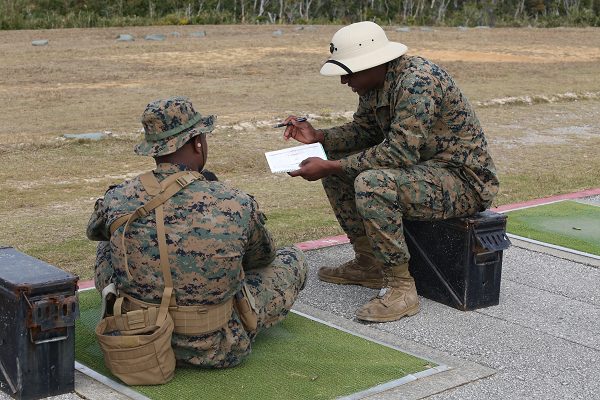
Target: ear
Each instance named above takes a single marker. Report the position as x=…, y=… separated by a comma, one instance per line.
x=197, y=144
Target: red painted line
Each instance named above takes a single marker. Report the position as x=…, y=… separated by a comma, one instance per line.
x=545, y=200
x=324, y=242
x=85, y=284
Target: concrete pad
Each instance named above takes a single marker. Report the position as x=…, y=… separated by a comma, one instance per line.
x=89, y=388
x=592, y=200
x=556, y=251
x=542, y=339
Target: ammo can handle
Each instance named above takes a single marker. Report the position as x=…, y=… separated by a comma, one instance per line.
x=51, y=316
x=54, y=339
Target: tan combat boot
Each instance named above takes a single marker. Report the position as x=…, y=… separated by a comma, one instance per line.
x=398, y=299
x=364, y=270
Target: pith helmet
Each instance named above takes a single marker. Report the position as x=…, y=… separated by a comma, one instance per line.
x=169, y=124
x=360, y=46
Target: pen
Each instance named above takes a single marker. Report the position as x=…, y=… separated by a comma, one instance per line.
x=281, y=125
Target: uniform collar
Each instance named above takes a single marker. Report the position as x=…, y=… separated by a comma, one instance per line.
x=168, y=168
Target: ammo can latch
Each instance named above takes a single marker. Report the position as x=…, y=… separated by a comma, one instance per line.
x=495, y=240
x=48, y=317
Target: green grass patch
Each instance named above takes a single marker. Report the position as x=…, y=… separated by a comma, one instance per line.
x=296, y=359
x=300, y=225
x=566, y=223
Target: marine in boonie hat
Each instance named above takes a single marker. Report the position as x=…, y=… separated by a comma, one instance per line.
x=360, y=46
x=169, y=124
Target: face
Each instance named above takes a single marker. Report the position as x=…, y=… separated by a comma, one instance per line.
x=364, y=81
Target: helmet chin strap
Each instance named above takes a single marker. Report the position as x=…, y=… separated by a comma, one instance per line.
x=339, y=64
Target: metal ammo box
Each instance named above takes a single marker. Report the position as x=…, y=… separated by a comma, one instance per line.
x=458, y=261
x=38, y=308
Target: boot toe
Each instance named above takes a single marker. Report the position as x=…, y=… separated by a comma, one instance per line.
x=390, y=306
x=350, y=274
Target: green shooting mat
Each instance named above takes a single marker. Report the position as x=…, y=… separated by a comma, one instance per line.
x=566, y=223
x=299, y=358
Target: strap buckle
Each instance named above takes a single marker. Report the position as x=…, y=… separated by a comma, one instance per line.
x=183, y=181
x=186, y=179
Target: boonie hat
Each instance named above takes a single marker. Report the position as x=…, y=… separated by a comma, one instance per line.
x=360, y=46
x=169, y=124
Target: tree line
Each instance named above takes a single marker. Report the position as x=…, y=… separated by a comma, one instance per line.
x=28, y=14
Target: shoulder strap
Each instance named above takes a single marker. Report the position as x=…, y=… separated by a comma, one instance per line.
x=150, y=183
x=167, y=296
x=169, y=187
x=162, y=191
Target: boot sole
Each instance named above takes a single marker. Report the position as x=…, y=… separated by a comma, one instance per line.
x=408, y=313
x=373, y=284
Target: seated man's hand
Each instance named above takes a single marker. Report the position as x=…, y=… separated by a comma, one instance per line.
x=314, y=168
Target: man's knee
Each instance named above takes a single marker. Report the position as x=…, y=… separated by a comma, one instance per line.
x=288, y=269
x=374, y=181
x=294, y=259
x=375, y=190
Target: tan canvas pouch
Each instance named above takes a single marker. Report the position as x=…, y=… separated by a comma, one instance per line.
x=246, y=309
x=139, y=356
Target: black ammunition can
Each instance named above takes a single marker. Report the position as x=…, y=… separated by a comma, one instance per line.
x=38, y=308
x=458, y=261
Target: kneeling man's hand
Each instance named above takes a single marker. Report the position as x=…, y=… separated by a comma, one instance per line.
x=314, y=168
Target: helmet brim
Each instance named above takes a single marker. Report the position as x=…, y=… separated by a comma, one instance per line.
x=173, y=143
x=372, y=59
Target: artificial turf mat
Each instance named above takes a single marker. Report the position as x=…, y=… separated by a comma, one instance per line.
x=566, y=223
x=296, y=359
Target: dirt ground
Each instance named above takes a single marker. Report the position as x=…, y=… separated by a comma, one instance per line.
x=536, y=91
x=85, y=80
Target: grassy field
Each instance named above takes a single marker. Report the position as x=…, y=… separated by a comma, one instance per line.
x=565, y=223
x=537, y=94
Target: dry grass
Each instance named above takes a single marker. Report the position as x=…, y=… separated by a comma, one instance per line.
x=85, y=81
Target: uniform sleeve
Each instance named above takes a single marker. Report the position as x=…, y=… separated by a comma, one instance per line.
x=261, y=249
x=413, y=117
x=103, y=271
x=362, y=132
x=97, y=228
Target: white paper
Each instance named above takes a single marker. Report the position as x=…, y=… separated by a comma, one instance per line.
x=289, y=159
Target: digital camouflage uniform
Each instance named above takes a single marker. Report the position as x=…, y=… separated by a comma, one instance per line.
x=216, y=238
x=414, y=150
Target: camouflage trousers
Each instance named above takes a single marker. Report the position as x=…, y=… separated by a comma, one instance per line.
x=374, y=203
x=274, y=288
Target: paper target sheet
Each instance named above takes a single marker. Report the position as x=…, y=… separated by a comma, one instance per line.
x=286, y=160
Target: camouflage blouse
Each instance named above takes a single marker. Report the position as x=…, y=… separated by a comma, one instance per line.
x=419, y=116
x=212, y=231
